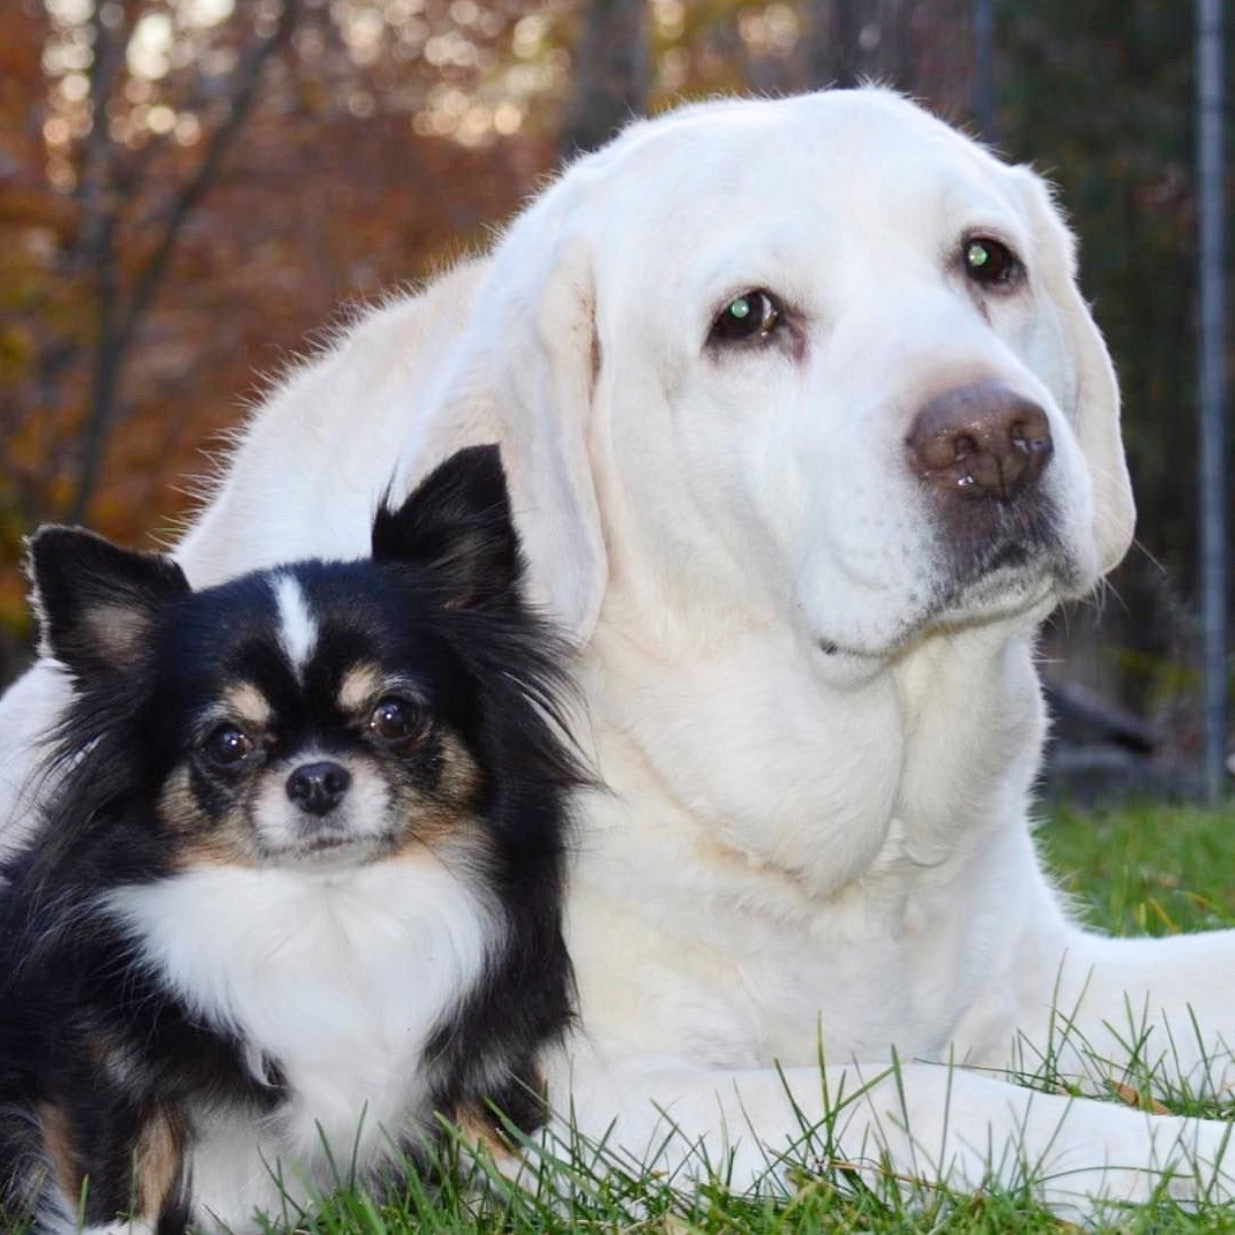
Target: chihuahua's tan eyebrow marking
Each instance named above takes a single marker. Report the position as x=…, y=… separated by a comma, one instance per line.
x=297, y=627
x=247, y=704
x=360, y=684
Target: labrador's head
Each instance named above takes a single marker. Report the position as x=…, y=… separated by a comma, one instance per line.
x=821, y=359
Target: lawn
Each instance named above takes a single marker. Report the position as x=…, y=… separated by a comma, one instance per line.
x=1155, y=869
x=1151, y=869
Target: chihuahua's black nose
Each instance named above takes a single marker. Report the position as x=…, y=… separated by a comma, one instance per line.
x=318, y=787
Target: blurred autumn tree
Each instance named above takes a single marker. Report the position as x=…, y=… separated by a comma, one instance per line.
x=189, y=187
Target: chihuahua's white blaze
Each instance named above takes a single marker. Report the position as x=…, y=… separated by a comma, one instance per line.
x=298, y=630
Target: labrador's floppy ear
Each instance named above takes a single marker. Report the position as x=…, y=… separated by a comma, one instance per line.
x=1094, y=404
x=523, y=375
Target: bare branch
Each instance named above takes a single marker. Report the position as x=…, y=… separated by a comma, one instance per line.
x=247, y=82
x=95, y=249
x=95, y=190
x=118, y=325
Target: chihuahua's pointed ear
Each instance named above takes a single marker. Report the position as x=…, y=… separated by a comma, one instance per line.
x=97, y=603
x=456, y=528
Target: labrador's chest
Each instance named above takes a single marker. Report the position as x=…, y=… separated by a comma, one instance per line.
x=684, y=949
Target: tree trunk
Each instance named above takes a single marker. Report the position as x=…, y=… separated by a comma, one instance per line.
x=832, y=52
x=612, y=73
x=119, y=315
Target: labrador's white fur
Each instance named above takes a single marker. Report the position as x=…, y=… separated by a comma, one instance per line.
x=801, y=847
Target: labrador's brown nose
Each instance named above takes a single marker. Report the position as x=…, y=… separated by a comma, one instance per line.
x=980, y=441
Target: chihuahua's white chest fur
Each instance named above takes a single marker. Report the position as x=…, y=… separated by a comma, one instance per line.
x=337, y=980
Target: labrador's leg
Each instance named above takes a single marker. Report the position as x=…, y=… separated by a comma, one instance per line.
x=1161, y=1009
x=927, y=1123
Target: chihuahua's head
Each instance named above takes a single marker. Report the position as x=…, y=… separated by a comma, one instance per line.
x=317, y=714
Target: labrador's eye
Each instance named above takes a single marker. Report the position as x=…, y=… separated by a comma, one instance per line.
x=990, y=263
x=752, y=315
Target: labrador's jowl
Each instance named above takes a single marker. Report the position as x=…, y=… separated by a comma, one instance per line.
x=807, y=427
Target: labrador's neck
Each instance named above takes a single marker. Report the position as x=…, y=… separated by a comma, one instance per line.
x=827, y=772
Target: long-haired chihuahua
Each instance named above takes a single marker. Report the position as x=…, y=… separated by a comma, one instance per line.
x=297, y=892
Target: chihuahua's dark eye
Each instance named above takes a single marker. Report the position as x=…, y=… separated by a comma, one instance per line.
x=227, y=746
x=396, y=722
x=753, y=315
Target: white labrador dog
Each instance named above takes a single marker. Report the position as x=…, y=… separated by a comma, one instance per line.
x=807, y=428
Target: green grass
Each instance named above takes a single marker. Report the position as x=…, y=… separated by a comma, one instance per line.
x=1152, y=869
x=1146, y=870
